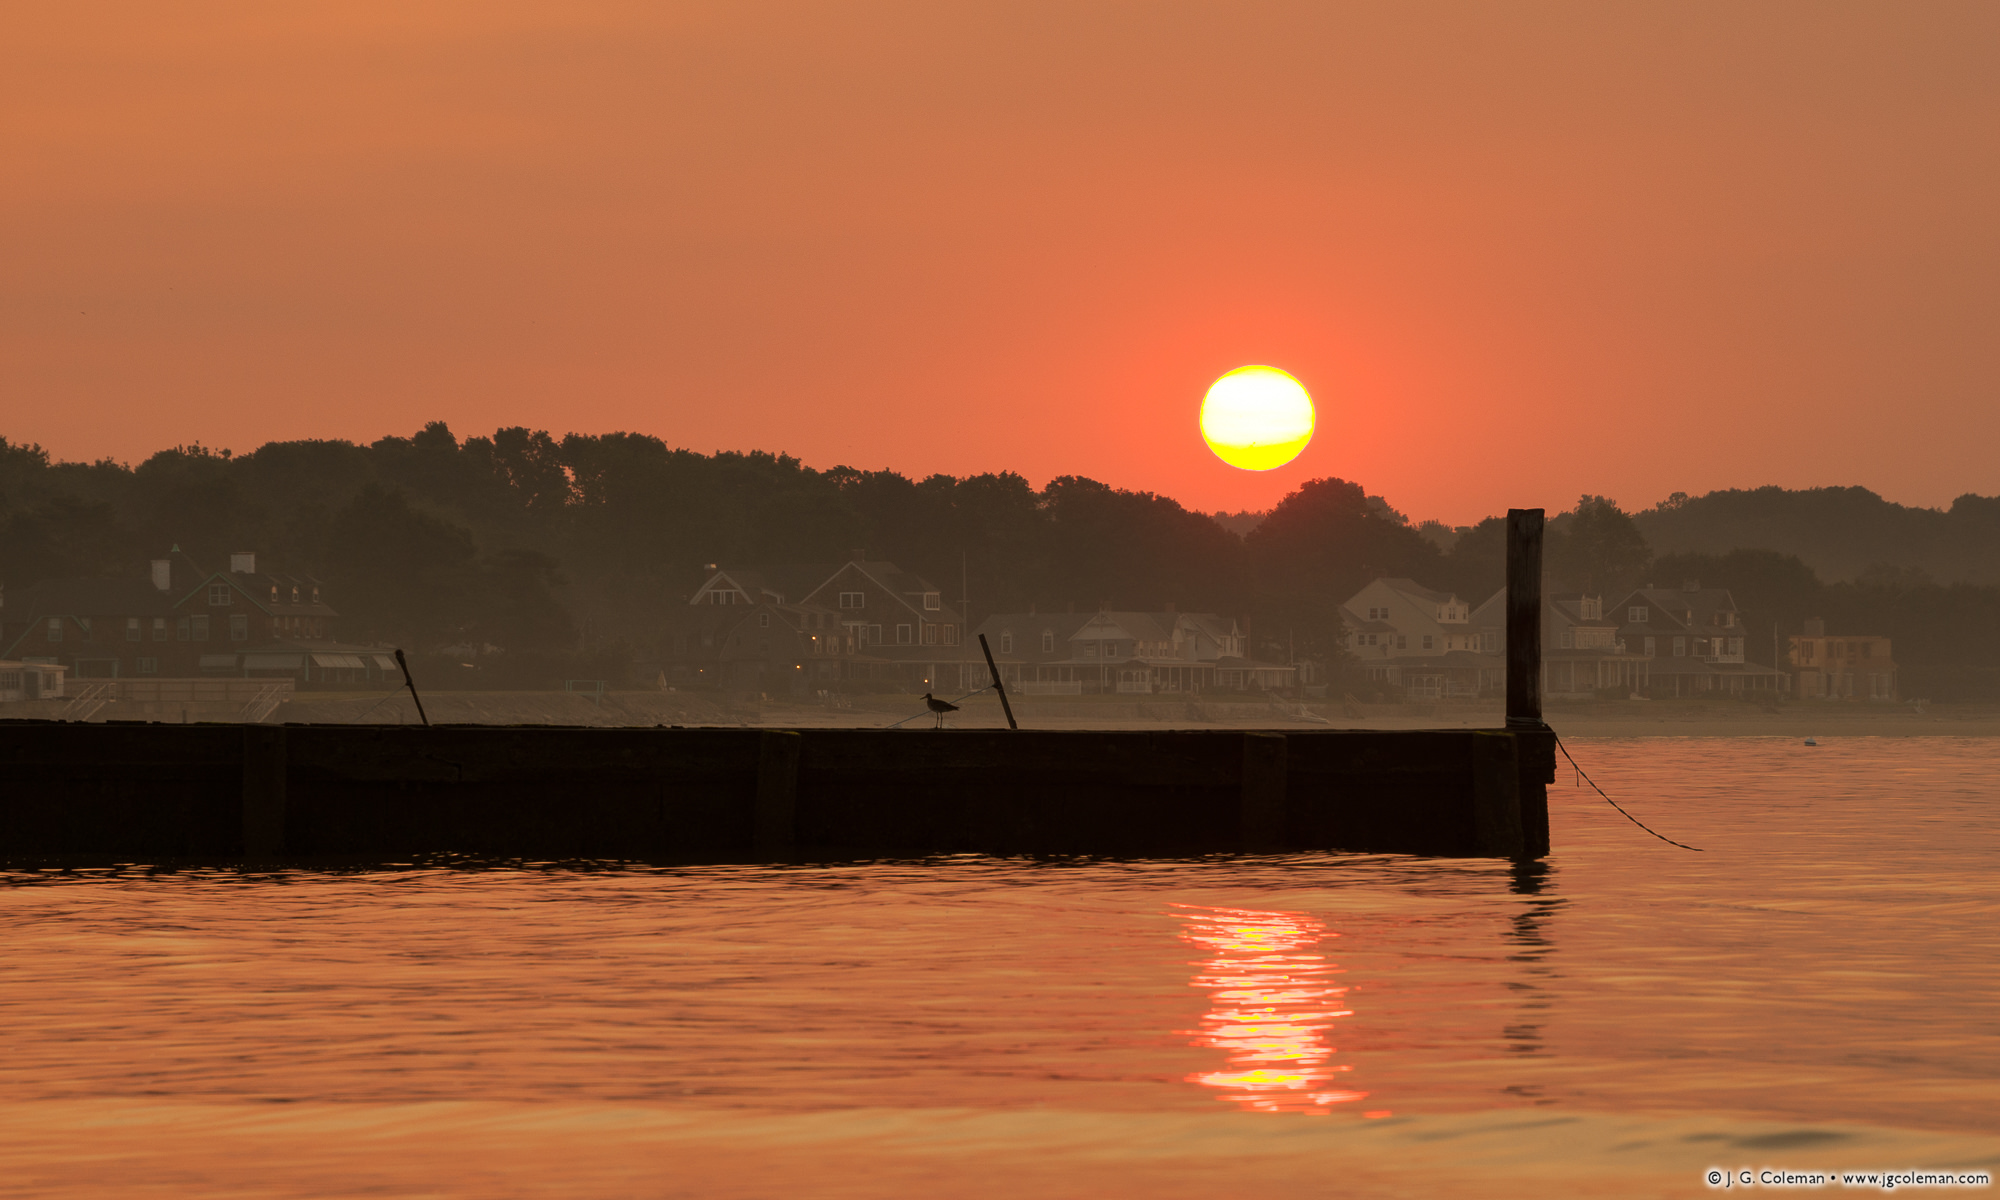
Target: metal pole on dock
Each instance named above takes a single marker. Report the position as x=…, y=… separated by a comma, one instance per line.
x=1524, y=618
x=998, y=687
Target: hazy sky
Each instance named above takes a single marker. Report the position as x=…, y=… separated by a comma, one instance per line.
x=1518, y=251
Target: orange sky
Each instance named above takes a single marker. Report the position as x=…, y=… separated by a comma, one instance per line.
x=1518, y=251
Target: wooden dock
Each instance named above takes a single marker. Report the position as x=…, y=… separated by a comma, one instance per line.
x=269, y=793
x=148, y=792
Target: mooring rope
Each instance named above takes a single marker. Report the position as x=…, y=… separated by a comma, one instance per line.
x=928, y=713
x=1613, y=803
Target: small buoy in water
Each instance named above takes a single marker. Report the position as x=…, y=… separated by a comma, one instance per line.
x=1811, y=742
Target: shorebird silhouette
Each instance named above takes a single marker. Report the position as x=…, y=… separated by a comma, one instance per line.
x=940, y=707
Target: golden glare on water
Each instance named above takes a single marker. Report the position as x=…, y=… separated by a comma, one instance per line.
x=1257, y=418
x=1271, y=1003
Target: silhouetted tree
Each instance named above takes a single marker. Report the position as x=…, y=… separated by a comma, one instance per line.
x=1595, y=549
x=1318, y=547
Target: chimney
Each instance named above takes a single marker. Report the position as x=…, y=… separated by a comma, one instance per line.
x=243, y=562
x=1815, y=626
x=163, y=574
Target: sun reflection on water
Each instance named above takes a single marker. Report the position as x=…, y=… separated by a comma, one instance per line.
x=1271, y=1002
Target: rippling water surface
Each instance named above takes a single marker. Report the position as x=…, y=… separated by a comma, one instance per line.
x=1818, y=986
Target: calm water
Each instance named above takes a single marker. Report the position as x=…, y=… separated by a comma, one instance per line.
x=1817, y=988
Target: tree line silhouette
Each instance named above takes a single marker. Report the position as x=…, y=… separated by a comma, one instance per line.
x=566, y=553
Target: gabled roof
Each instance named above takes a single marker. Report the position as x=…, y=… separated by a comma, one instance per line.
x=1145, y=627
x=898, y=583
x=784, y=583
x=1410, y=587
x=794, y=582
x=1668, y=606
x=256, y=587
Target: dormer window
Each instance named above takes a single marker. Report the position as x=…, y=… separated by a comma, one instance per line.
x=1638, y=614
x=931, y=601
x=274, y=593
x=315, y=595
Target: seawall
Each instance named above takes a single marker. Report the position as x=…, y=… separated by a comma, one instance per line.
x=264, y=793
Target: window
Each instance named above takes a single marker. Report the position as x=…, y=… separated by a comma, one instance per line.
x=181, y=629
x=853, y=599
x=1727, y=620
x=274, y=593
x=1651, y=647
x=931, y=601
x=239, y=627
x=1680, y=647
x=950, y=634
x=1048, y=642
x=1567, y=639
x=902, y=635
x=218, y=595
x=55, y=629
x=1427, y=641
x=200, y=626
x=763, y=620
x=930, y=634
x=1402, y=642
x=874, y=637
x=159, y=629
x=149, y=666
x=722, y=597
x=1638, y=614
x=1868, y=649
x=1007, y=642
x=1090, y=649
x=1736, y=647
x=131, y=629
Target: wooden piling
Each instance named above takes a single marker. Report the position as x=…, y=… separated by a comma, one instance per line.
x=777, y=812
x=263, y=792
x=1524, y=618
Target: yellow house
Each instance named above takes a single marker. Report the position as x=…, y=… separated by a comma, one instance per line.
x=1854, y=667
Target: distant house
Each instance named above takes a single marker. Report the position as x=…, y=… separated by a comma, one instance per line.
x=1421, y=642
x=1129, y=652
x=1692, y=641
x=184, y=621
x=1847, y=667
x=1583, y=654
x=804, y=626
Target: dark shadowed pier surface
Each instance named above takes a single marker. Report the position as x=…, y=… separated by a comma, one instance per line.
x=269, y=793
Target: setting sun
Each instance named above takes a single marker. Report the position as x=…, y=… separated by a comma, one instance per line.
x=1257, y=418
